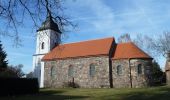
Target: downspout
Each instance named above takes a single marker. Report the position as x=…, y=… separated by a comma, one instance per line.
x=111, y=52
x=130, y=74
x=110, y=73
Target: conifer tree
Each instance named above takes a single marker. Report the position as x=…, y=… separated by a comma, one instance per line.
x=3, y=55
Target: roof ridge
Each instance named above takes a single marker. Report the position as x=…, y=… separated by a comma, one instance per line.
x=88, y=40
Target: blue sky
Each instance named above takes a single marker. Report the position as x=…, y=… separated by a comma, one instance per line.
x=98, y=19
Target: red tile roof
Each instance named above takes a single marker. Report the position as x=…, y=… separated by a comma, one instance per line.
x=81, y=49
x=129, y=50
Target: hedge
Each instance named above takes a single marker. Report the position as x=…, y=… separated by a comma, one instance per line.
x=18, y=86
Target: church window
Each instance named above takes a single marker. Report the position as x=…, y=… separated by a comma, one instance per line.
x=119, y=70
x=139, y=69
x=53, y=72
x=53, y=63
x=42, y=45
x=70, y=71
x=92, y=70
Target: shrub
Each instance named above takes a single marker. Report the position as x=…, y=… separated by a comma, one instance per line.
x=17, y=86
x=7, y=73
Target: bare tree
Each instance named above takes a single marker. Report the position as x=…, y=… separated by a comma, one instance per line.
x=162, y=43
x=124, y=38
x=155, y=46
x=14, y=12
x=145, y=43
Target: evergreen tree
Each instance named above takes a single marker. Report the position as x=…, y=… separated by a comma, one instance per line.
x=3, y=55
x=157, y=73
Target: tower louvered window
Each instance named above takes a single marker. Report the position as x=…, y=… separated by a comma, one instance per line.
x=42, y=45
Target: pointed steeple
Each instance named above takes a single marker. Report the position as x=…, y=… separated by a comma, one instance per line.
x=49, y=24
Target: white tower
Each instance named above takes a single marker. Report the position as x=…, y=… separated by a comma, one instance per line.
x=48, y=36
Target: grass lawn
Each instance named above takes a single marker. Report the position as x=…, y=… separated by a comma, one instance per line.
x=154, y=93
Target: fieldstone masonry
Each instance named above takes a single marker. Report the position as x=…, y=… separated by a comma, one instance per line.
x=122, y=80
x=128, y=78
x=143, y=79
x=81, y=72
x=167, y=69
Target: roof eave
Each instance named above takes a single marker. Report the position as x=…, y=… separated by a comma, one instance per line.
x=75, y=57
x=131, y=58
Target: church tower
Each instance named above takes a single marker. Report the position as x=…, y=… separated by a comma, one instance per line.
x=48, y=36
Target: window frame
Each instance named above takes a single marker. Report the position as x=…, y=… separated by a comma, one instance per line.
x=53, y=72
x=139, y=69
x=92, y=70
x=119, y=69
x=71, y=71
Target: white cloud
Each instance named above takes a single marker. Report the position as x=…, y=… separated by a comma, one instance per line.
x=142, y=16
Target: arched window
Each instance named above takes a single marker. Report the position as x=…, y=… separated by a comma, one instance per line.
x=53, y=72
x=42, y=45
x=92, y=70
x=139, y=69
x=70, y=71
x=119, y=70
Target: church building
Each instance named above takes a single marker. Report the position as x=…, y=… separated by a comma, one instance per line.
x=100, y=63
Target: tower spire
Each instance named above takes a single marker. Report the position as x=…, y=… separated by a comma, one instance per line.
x=49, y=14
x=49, y=24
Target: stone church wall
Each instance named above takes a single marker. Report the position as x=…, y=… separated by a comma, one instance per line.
x=121, y=80
x=81, y=72
x=167, y=69
x=131, y=78
x=128, y=78
x=144, y=79
x=168, y=77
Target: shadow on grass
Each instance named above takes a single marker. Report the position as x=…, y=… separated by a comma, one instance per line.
x=57, y=95
x=158, y=94
x=155, y=93
x=45, y=95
